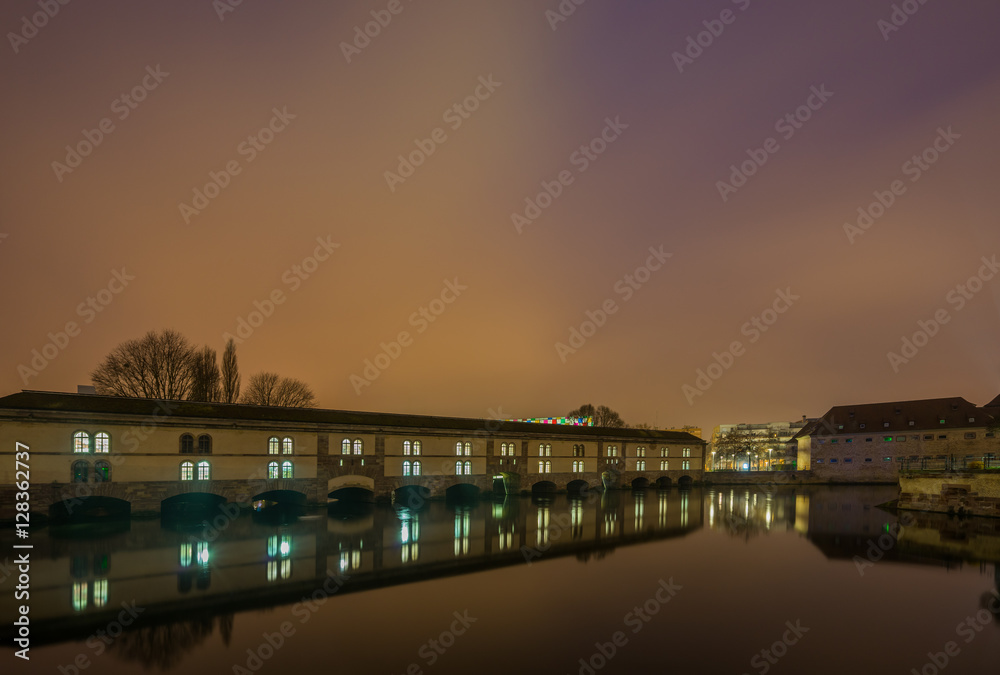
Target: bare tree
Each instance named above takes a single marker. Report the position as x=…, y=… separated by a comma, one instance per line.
x=157, y=365
x=271, y=389
x=603, y=415
x=205, y=377
x=734, y=444
x=230, y=374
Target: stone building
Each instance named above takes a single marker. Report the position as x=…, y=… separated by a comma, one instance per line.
x=873, y=442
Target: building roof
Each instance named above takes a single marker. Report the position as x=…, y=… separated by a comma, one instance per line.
x=27, y=402
x=995, y=403
x=899, y=417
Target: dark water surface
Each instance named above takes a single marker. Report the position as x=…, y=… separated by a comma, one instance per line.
x=695, y=581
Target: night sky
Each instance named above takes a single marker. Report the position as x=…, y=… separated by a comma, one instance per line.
x=175, y=95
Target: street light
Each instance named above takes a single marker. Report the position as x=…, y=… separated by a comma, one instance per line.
x=769, y=468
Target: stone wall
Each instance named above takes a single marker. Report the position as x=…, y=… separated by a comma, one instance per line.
x=973, y=493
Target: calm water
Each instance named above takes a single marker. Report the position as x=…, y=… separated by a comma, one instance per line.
x=697, y=581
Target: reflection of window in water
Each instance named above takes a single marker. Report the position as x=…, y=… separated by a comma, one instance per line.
x=684, y=509
x=203, y=554
x=279, y=546
x=542, y=534
x=409, y=538
x=462, y=527
x=100, y=592
x=611, y=522
x=186, y=554
x=576, y=519
x=640, y=510
x=664, y=501
x=276, y=568
x=350, y=560
x=505, y=536
x=80, y=591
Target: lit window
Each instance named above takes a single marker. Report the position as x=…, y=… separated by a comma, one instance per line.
x=640, y=451
x=548, y=466
x=664, y=465
x=466, y=449
x=272, y=470
x=81, y=471
x=887, y=438
x=287, y=446
x=887, y=459
x=204, y=444
x=358, y=446
x=287, y=470
x=345, y=447
x=187, y=443
x=900, y=439
x=102, y=472
x=640, y=465
x=686, y=452
x=102, y=442
x=81, y=442
x=407, y=467
x=416, y=467
x=416, y=447
x=458, y=468
x=972, y=419
x=204, y=471
x=407, y=449
x=273, y=444
x=187, y=470
x=545, y=450
x=541, y=466
x=685, y=464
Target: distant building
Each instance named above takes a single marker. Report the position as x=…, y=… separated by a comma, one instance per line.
x=694, y=431
x=871, y=442
x=785, y=448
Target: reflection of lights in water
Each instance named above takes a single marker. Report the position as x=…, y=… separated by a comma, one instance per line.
x=404, y=534
x=664, y=502
x=286, y=547
x=462, y=527
x=640, y=510
x=685, y=508
x=80, y=589
x=100, y=592
x=542, y=534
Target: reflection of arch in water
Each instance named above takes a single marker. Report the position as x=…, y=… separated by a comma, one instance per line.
x=191, y=506
x=411, y=496
x=462, y=492
x=89, y=509
x=640, y=483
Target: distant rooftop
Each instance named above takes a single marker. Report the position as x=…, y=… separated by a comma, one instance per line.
x=900, y=416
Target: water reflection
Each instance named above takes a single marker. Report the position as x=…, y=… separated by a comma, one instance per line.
x=258, y=562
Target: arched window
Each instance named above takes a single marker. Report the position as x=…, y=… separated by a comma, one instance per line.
x=81, y=471
x=407, y=467
x=458, y=448
x=358, y=446
x=287, y=470
x=204, y=471
x=548, y=466
x=468, y=468
x=640, y=465
x=187, y=444
x=287, y=446
x=407, y=447
x=664, y=465
x=102, y=442
x=81, y=442
x=416, y=468
x=187, y=470
x=545, y=450
x=102, y=471
x=416, y=447
x=272, y=470
x=345, y=447
x=273, y=443
x=204, y=444
x=458, y=468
